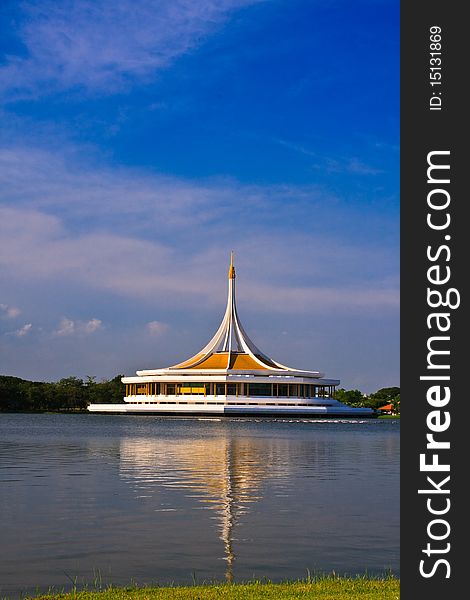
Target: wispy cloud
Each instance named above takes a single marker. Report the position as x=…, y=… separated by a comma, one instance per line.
x=145, y=235
x=133, y=200
x=23, y=331
x=296, y=147
x=156, y=328
x=103, y=46
x=37, y=247
x=43, y=179
x=349, y=165
x=338, y=164
x=10, y=312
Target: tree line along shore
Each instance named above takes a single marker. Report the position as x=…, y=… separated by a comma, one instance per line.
x=74, y=394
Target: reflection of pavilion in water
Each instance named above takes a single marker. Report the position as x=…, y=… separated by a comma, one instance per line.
x=222, y=472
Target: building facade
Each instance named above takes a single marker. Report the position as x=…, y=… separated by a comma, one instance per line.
x=230, y=376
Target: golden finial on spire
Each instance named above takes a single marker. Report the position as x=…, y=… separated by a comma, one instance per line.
x=231, y=270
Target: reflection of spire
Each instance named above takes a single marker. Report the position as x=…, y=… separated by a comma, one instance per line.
x=225, y=473
x=228, y=519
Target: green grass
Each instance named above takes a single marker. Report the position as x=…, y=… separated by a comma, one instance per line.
x=320, y=588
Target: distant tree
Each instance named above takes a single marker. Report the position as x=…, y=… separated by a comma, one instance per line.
x=91, y=389
x=384, y=396
x=20, y=395
x=387, y=394
x=110, y=391
x=396, y=404
x=69, y=394
x=11, y=393
x=356, y=398
x=33, y=395
x=350, y=397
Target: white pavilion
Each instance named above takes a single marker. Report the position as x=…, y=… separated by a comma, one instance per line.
x=230, y=376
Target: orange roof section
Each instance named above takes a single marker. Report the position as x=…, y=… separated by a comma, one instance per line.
x=244, y=362
x=220, y=360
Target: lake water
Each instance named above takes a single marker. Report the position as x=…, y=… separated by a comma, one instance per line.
x=99, y=499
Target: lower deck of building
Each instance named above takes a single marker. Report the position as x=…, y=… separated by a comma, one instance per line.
x=160, y=390
x=229, y=401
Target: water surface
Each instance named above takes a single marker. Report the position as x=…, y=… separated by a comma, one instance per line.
x=98, y=499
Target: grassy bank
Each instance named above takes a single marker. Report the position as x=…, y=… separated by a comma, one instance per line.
x=323, y=588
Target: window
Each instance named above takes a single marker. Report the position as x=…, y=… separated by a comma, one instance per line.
x=260, y=389
x=193, y=388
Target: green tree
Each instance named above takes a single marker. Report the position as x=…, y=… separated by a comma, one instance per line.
x=70, y=394
x=350, y=397
x=11, y=393
x=110, y=391
x=384, y=396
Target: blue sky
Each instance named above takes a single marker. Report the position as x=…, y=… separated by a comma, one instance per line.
x=141, y=141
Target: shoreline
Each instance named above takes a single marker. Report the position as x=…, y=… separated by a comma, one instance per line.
x=328, y=587
x=66, y=411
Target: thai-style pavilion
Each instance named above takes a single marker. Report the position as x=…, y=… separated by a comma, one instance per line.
x=230, y=376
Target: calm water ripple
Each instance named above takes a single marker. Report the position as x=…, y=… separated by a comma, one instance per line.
x=97, y=499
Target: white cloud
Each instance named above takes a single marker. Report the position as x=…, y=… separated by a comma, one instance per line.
x=25, y=330
x=10, y=312
x=166, y=240
x=147, y=248
x=43, y=179
x=156, y=327
x=102, y=46
x=37, y=247
x=136, y=202
x=92, y=325
x=66, y=327
x=69, y=327
x=151, y=205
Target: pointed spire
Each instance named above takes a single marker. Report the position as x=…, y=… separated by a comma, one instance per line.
x=231, y=340
x=231, y=269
